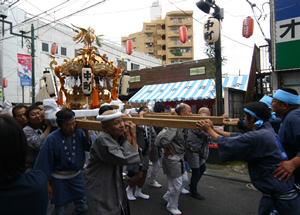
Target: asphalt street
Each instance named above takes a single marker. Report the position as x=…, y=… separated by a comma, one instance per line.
x=230, y=193
x=222, y=196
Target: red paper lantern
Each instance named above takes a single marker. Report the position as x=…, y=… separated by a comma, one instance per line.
x=4, y=82
x=53, y=48
x=129, y=47
x=182, y=34
x=248, y=27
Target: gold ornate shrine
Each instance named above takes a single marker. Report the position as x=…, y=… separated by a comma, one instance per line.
x=102, y=73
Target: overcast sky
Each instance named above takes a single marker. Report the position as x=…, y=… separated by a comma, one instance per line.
x=119, y=18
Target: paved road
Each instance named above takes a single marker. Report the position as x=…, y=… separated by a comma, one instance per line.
x=223, y=196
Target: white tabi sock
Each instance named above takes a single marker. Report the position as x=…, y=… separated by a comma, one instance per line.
x=138, y=193
x=130, y=195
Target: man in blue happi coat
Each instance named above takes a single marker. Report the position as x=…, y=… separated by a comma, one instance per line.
x=61, y=158
x=286, y=105
x=262, y=150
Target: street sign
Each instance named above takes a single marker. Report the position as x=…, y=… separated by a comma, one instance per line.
x=287, y=34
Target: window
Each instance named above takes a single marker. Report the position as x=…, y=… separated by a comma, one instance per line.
x=135, y=78
x=63, y=51
x=133, y=39
x=135, y=66
x=59, y=50
x=174, y=20
x=45, y=47
x=174, y=41
x=174, y=30
x=180, y=20
x=134, y=48
x=197, y=71
x=185, y=50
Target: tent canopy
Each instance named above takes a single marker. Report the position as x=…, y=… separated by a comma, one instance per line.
x=187, y=90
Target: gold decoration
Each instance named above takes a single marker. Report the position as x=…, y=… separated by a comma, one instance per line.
x=102, y=69
x=86, y=35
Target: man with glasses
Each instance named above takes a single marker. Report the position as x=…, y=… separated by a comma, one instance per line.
x=40, y=105
x=286, y=105
x=36, y=132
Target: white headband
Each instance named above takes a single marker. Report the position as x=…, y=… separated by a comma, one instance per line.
x=104, y=118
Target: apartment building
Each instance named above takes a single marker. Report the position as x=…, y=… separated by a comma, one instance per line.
x=160, y=38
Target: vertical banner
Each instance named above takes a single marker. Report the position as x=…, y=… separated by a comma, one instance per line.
x=24, y=69
x=1, y=97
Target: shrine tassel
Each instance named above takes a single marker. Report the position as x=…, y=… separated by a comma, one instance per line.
x=60, y=100
x=95, y=97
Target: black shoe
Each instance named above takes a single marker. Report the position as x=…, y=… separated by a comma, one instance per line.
x=198, y=196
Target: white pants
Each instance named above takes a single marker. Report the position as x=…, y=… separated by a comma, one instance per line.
x=50, y=208
x=155, y=168
x=175, y=186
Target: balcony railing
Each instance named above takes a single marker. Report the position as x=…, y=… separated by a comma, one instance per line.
x=264, y=59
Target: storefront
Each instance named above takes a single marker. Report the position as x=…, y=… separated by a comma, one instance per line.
x=197, y=93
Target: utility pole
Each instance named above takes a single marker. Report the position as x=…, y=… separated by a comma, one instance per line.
x=205, y=6
x=32, y=65
x=32, y=52
x=218, y=57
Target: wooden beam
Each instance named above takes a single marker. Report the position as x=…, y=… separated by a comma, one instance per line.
x=177, y=122
x=128, y=106
x=172, y=123
x=215, y=119
x=115, y=106
x=89, y=124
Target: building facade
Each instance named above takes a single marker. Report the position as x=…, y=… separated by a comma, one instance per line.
x=160, y=38
x=186, y=71
x=285, y=44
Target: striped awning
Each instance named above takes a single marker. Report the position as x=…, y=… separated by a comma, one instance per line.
x=187, y=90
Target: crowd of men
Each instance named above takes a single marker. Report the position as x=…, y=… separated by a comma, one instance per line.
x=58, y=151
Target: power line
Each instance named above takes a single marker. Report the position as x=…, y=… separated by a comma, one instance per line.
x=124, y=11
x=46, y=14
x=45, y=11
x=252, y=7
x=70, y=15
